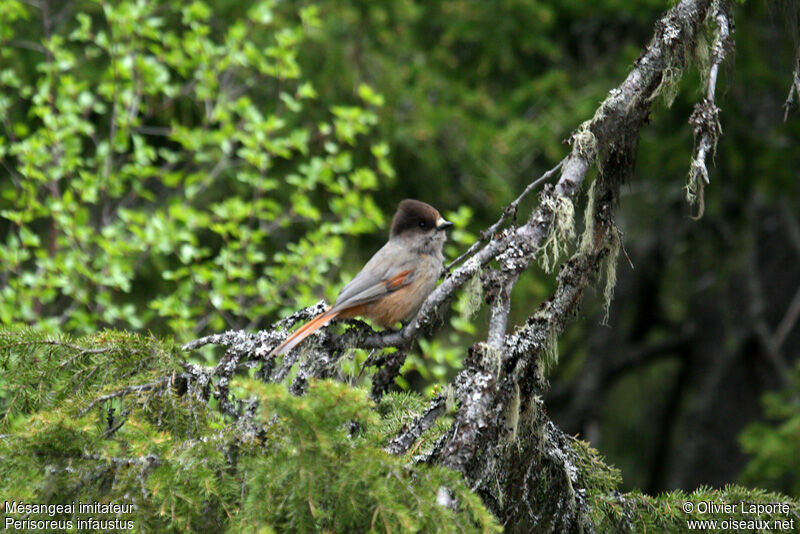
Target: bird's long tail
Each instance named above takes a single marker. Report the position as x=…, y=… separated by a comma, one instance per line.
x=304, y=331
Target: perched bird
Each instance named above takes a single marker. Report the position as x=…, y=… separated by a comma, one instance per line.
x=396, y=280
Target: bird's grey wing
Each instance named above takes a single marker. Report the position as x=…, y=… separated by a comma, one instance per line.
x=388, y=270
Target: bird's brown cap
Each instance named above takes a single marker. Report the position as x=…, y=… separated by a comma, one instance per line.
x=417, y=216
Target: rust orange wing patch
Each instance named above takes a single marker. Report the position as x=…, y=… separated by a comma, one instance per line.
x=398, y=280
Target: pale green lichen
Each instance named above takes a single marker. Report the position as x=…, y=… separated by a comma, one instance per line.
x=587, y=239
x=550, y=351
x=449, y=394
x=562, y=231
x=609, y=268
x=668, y=87
x=511, y=414
x=472, y=295
x=613, y=241
x=695, y=183
x=497, y=479
x=583, y=141
x=702, y=53
x=528, y=415
x=492, y=359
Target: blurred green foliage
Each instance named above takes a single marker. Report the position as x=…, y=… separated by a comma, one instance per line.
x=187, y=167
x=165, y=168
x=772, y=445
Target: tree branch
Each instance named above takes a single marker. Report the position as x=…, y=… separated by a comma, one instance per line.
x=705, y=118
x=499, y=390
x=158, y=384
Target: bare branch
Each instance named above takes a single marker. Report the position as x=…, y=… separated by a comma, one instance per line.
x=761, y=329
x=788, y=322
x=158, y=384
x=794, y=89
x=501, y=306
x=389, y=369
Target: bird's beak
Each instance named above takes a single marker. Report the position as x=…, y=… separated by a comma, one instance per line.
x=441, y=224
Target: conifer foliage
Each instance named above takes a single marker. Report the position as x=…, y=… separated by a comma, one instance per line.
x=125, y=419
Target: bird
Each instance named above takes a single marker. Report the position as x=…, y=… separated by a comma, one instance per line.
x=398, y=278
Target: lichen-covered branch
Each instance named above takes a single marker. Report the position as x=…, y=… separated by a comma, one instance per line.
x=501, y=439
x=497, y=391
x=705, y=118
x=403, y=441
x=509, y=212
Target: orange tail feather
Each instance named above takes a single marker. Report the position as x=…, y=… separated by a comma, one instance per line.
x=303, y=332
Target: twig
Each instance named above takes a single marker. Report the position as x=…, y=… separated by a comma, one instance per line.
x=59, y=344
x=787, y=323
x=508, y=212
x=149, y=460
x=123, y=418
x=126, y=391
x=258, y=342
x=794, y=89
x=760, y=327
x=401, y=443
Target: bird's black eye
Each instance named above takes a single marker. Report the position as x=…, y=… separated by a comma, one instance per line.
x=422, y=224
